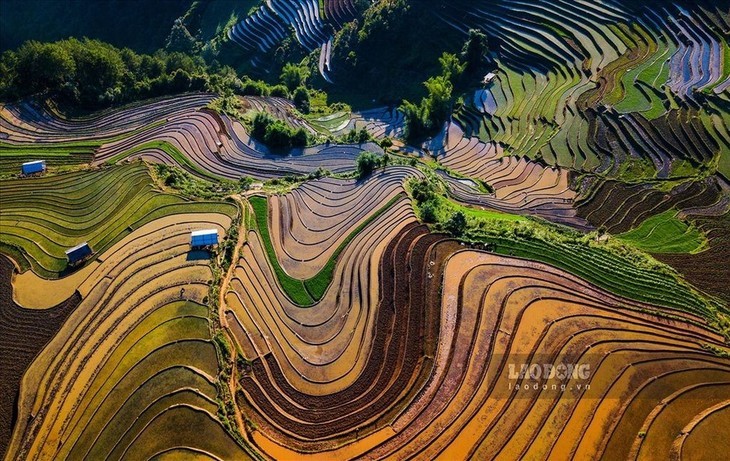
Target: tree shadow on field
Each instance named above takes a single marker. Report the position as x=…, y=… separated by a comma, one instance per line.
x=198, y=255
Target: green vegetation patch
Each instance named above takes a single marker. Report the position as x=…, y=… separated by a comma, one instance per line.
x=607, y=263
x=620, y=271
x=665, y=233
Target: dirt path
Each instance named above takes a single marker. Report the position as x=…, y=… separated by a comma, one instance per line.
x=242, y=232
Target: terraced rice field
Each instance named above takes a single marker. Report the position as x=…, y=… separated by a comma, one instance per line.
x=466, y=407
x=25, y=332
x=520, y=185
x=135, y=359
x=579, y=310
x=99, y=207
x=706, y=269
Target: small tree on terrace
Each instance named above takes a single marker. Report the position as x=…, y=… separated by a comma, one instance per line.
x=456, y=225
x=385, y=160
x=452, y=68
x=437, y=105
x=294, y=76
x=301, y=99
x=428, y=212
x=475, y=50
x=299, y=138
x=422, y=191
x=366, y=164
x=259, y=123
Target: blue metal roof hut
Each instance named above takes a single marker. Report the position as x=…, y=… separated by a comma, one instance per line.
x=204, y=238
x=36, y=166
x=78, y=253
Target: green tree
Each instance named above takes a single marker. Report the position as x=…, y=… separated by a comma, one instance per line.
x=244, y=183
x=414, y=126
x=456, y=225
x=437, y=105
x=432, y=112
x=254, y=88
x=301, y=99
x=99, y=71
x=422, y=191
x=299, y=138
x=279, y=91
x=366, y=164
x=428, y=212
x=181, y=81
x=357, y=136
x=277, y=135
x=475, y=50
x=294, y=76
x=452, y=67
x=259, y=123
x=180, y=39
x=43, y=67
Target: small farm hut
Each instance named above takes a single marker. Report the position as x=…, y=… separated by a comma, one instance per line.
x=78, y=253
x=204, y=238
x=488, y=78
x=36, y=166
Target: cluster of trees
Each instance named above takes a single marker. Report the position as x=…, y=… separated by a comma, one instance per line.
x=93, y=74
x=429, y=203
x=367, y=162
x=277, y=134
x=294, y=78
x=356, y=136
x=428, y=116
x=292, y=85
x=190, y=186
x=374, y=53
x=435, y=108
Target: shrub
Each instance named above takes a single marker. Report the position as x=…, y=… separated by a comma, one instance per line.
x=279, y=91
x=276, y=133
x=366, y=164
x=301, y=100
x=428, y=213
x=456, y=225
x=294, y=76
x=423, y=191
